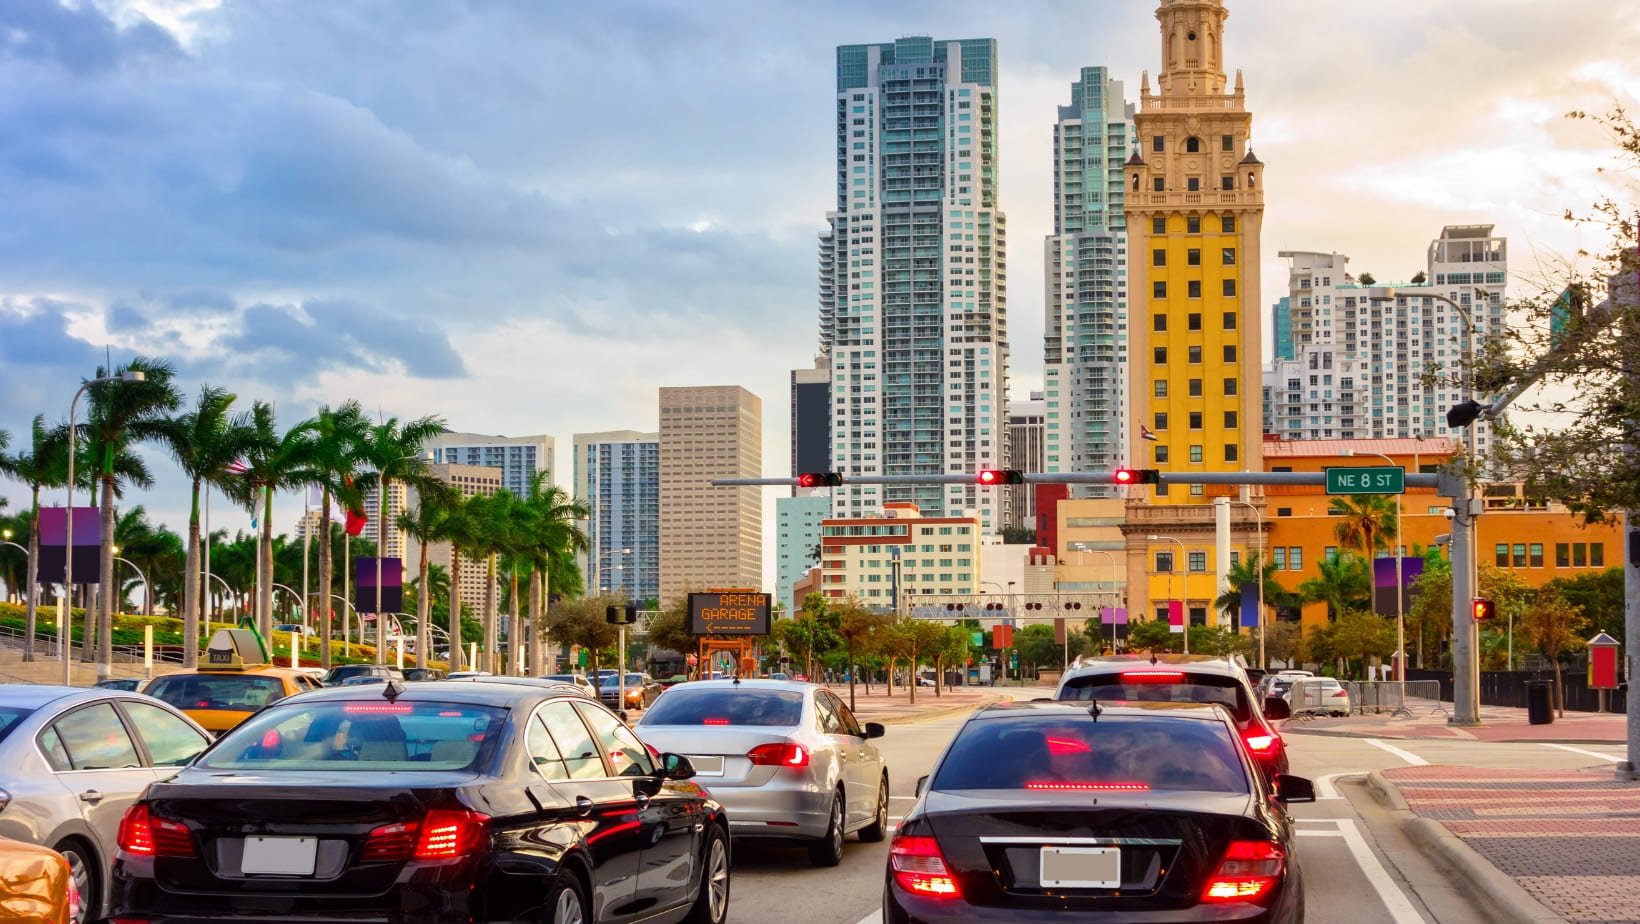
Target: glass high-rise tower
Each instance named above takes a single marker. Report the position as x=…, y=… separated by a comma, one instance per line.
x=913, y=282
x=1085, y=349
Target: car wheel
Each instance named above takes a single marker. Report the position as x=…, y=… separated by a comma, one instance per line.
x=712, y=904
x=84, y=872
x=878, y=829
x=828, y=851
x=566, y=903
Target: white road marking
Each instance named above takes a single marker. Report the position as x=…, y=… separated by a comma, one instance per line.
x=1324, y=788
x=1567, y=747
x=906, y=798
x=1309, y=833
x=1407, y=756
x=1401, y=909
x=876, y=917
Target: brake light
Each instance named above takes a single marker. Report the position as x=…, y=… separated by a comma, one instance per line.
x=1260, y=744
x=1248, y=872
x=1056, y=786
x=779, y=754
x=145, y=835
x=378, y=708
x=1153, y=676
x=920, y=868
x=714, y=721
x=1340, y=693
x=444, y=834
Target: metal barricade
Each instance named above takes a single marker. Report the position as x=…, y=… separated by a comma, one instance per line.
x=1380, y=696
x=1425, y=694
x=1313, y=695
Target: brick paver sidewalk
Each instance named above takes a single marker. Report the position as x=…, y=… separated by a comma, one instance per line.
x=1570, y=838
x=1498, y=723
x=878, y=707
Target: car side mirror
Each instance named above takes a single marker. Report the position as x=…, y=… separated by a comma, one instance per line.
x=1292, y=789
x=676, y=767
x=922, y=784
x=875, y=730
x=1277, y=708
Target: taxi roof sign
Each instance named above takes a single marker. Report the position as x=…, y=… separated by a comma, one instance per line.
x=234, y=649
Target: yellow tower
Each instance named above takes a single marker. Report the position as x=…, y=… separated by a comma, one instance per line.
x=1195, y=207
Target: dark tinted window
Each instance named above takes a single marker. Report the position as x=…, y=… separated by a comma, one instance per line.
x=682, y=706
x=361, y=735
x=574, y=742
x=9, y=717
x=1076, y=753
x=1159, y=685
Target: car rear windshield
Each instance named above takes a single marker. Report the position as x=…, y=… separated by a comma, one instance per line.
x=725, y=706
x=1159, y=685
x=1078, y=754
x=217, y=691
x=361, y=735
x=10, y=716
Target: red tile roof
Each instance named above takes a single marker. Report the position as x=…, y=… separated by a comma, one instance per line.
x=1290, y=449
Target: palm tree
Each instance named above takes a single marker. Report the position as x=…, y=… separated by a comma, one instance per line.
x=1343, y=584
x=152, y=548
x=426, y=526
x=555, y=539
x=1368, y=522
x=43, y=465
x=458, y=528
x=272, y=462
x=492, y=524
x=206, y=441
x=333, y=462
x=122, y=414
x=394, y=452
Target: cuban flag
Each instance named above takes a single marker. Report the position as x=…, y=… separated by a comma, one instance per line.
x=1144, y=433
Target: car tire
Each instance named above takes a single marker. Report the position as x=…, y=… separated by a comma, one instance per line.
x=828, y=850
x=82, y=866
x=712, y=903
x=566, y=901
x=878, y=829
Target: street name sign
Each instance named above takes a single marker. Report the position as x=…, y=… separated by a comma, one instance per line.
x=1382, y=479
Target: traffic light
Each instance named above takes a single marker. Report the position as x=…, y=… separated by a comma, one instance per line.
x=1485, y=609
x=619, y=615
x=1125, y=476
x=995, y=476
x=819, y=480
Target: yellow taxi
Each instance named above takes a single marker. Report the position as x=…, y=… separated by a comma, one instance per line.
x=35, y=885
x=234, y=681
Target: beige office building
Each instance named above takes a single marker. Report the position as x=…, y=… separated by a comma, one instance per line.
x=710, y=537
x=469, y=481
x=398, y=497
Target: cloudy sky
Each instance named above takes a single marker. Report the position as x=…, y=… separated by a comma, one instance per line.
x=525, y=216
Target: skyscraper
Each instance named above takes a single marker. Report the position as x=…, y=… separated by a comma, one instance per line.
x=710, y=537
x=797, y=542
x=1086, y=335
x=618, y=476
x=518, y=457
x=1281, y=319
x=1027, y=448
x=913, y=275
x=1195, y=208
x=467, y=481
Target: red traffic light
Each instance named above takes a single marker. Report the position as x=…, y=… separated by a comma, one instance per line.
x=1126, y=476
x=996, y=476
x=1484, y=609
x=819, y=480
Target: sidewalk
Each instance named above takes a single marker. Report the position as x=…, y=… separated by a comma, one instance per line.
x=1498, y=723
x=879, y=707
x=1569, y=838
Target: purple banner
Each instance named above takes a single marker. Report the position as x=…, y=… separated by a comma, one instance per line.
x=1383, y=584
x=1249, y=605
x=53, y=536
x=365, y=597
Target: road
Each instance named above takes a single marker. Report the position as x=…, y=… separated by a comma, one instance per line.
x=1358, y=866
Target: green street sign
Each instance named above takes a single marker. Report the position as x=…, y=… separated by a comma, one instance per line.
x=1381, y=479
x=979, y=639
x=583, y=658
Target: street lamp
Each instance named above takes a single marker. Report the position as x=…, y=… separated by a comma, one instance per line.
x=1183, y=590
x=5, y=539
x=129, y=376
x=1258, y=577
x=147, y=588
x=1400, y=588
x=356, y=615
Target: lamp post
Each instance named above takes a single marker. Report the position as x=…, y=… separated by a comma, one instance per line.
x=1400, y=587
x=1258, y=577
x=128, y=376
x=355, y=611
x=1182, y=590
x=147, y=588
x=5, y=539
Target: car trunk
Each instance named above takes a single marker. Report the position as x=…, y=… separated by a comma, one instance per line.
x=1167, y=846
x=718, y=753
x=336, y=815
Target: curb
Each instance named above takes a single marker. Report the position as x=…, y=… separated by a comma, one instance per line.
x=908, y=718
x=1510, y=901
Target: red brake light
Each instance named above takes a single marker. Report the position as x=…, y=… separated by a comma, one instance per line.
x=1340, y=693
x=389, y=843
x=920, y=868
x=714, y=721
x=1056, y=786
x=1153, y=676
x=1261, y=743
x=1249, y=870
x=779, y=754
x=443, y=835
x=382, y=708
x=145, y=835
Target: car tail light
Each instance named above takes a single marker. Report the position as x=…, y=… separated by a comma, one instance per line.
x=145, y=835
x=920, y=868
x=779, y=754
x=1261, y=744
x=378, y=708
x=712, y=720
x=443, y=835
x=1057, y=786
x=1249, y=870
x=1340, y=693
x=1153, y=676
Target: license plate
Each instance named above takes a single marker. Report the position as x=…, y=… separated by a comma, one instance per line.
x=1082, y=867
x=706, y=765
x=281, y=856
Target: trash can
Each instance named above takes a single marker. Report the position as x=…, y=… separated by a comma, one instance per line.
x=1539, y=702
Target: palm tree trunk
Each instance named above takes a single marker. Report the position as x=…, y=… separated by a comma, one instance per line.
x=190, y=589
x=456, y=641
x=537, y=624
x=515, y=632
x=424, y=609
x=105, y=580
x=382, y=484
x=491, y=629
x=325, y=578
x=264, y=588
x=32, y=610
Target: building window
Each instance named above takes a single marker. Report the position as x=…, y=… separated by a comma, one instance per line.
x=1161, y=420
x=1193, y=322
x=1295, y=558
x=1229, y=288
x=1520, y=555
x=1198, y=561
x=1195, y=453
x=1156, y=143
x=1227, y=142
x=1228, y=224
x=1158, y=289
x=1227, y=183
x=1278, y=557
x=1161, y=388
x=1196, y=490
x=1158, y=322
x=1158, y=225
x=1230, y=353
x=1164, y=562
x=1161, y=454
x=1232, y=452
x=1597, y=555
x=1229, y=386
x=1500, y=554
x=1193, y=289
x=1160, y=354
x=1193, y=224
x=1193, y=184
x=1193, y=145
x=1195, y=420
x=1229, y=320
x=1158, y=257
x=1229, y=420
x=1579, y=555
x=1193, y=257
x=1563, y=555
x=1195, y=355
x=1330, y=553
x=1537, y=555
x=1195, y=388
x=1156, y=185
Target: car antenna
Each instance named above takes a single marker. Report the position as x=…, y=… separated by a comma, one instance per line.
x=1152, y=657
x=391, y=690
x=1094, y=710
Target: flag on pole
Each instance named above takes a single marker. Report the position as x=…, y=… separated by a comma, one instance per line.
x=1144, y=433
x=237, y=467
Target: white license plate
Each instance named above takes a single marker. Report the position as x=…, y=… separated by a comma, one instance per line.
x=1082, y=867
x=283, y=856
x=706, y=765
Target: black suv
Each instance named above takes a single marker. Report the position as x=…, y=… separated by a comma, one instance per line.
x=1185, y=679
x=341, y=672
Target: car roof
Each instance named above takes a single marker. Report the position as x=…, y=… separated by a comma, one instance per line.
x=35, y=695
x=1207, y=664
x=456, y=691
x=1045, y=708
x=796, y=686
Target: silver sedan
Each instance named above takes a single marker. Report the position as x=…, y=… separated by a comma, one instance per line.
x=787, y=760
x=75, y=759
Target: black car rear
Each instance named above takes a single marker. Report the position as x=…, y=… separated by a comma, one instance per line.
x=1132, y=814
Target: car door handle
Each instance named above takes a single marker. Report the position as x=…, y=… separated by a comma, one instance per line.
x=92, y=796
x=583, y=806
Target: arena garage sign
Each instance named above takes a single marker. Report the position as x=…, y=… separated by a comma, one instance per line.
x=739, y=613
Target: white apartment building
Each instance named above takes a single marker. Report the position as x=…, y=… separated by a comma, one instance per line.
x=797, y=536
x=518, y=457
x=618, y=477
x=899, y=558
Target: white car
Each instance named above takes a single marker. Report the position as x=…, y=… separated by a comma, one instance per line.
x=1318, y=695
x=579, y=681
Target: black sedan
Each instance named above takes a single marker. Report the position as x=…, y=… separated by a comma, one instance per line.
x=440, y=801
x=1141, y=812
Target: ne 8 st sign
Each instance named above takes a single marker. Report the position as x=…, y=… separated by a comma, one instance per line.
x=729, y=614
